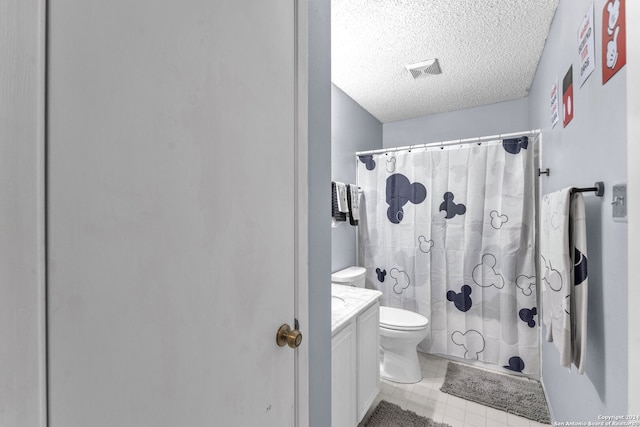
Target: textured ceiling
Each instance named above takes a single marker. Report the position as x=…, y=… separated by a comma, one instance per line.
x=488, y=51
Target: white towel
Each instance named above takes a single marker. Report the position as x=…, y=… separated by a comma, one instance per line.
x=354, y=202
x=555, y=267
x=563, y=274
x=578, y=241
x=341, y=190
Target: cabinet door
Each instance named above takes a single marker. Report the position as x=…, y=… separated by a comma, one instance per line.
x=343, y=377
x=368, y=358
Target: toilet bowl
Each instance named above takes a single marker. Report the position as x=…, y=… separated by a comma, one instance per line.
x=400, y=333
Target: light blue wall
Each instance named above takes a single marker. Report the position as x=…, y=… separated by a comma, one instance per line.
x=503, y=117
x=352, y=129
x=319, y=339
x=591, y=148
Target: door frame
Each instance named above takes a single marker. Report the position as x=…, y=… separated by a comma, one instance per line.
x=301, y=244
x=633, y=193
x=23, y=371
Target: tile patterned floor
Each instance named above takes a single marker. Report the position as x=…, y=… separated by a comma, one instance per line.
x=426, y=399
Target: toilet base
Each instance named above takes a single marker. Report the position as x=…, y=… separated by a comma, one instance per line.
x=399, y=356
x=401, y=367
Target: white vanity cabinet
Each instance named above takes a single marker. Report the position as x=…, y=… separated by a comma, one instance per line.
x=368, y=358
x=355, y=356
x=343, y=377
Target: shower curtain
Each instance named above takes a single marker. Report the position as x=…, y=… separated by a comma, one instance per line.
x=448, y=232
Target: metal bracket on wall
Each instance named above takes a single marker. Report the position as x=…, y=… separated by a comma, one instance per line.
x=543, y=172
x=619, y=202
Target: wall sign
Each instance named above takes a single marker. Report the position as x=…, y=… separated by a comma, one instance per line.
x=555, y=113
x=567, y=97
x=614, y=38
x=586, y=47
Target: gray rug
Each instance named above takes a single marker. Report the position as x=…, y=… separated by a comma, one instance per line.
x=390, y=415
x=516, y=395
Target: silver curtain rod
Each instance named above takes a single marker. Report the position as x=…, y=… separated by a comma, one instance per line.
x=451, y=142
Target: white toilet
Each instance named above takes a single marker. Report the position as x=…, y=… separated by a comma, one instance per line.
x=400, y=333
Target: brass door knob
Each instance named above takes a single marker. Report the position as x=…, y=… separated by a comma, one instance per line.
x=286, y=335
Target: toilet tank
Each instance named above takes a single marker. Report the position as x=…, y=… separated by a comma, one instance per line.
x=350, y=276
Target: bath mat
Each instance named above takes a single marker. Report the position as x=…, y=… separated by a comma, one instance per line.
x=390, y=415
x=518, y=396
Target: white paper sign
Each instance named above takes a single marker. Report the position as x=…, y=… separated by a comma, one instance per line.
x=586, y=47
x=555, y=114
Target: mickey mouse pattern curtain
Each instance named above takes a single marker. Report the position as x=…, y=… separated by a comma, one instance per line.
x=448, y=232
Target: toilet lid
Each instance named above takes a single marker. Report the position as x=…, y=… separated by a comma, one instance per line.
x=396, y=318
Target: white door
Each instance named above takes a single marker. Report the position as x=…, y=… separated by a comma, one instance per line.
x=171, y=212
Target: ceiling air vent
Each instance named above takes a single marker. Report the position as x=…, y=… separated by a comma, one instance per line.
x=426, y=68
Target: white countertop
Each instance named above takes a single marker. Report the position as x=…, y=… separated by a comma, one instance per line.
x=356, y=300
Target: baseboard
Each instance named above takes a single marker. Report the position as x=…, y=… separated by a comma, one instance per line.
x=546, y=397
